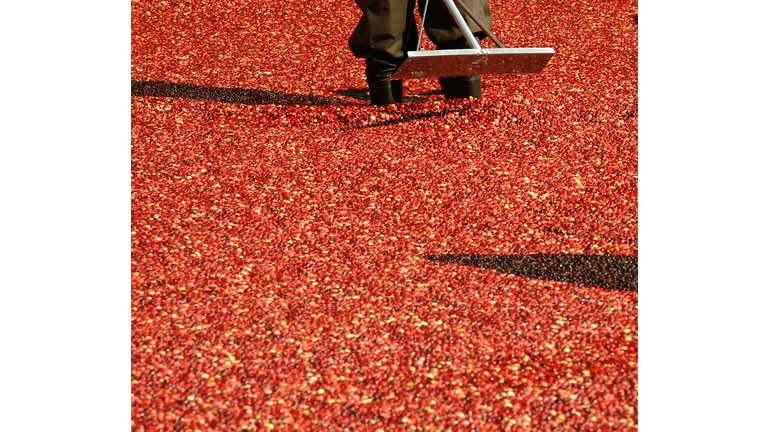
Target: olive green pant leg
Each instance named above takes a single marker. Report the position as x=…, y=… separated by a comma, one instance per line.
x=385, y=32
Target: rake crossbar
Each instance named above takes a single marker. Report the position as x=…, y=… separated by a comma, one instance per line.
x=470, y=62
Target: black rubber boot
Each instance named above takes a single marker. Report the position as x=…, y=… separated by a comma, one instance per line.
x=462, y=87
x=385, y=92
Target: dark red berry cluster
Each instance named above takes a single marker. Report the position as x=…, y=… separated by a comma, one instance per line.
x=302, y=260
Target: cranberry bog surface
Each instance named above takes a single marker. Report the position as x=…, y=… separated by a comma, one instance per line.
x=302, y=260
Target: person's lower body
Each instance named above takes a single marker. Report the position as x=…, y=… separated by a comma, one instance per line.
x=387, y=31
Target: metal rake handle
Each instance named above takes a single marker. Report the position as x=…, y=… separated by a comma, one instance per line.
x=461, y=23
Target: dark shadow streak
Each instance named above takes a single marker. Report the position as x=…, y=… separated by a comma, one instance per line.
x=229, y=95
x=614, y=272
x=359, y=94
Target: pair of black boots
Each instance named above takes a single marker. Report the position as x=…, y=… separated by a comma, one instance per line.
x=391, y=92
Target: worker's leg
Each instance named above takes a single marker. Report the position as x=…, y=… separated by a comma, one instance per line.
x=382, y=33
x=385, y=32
